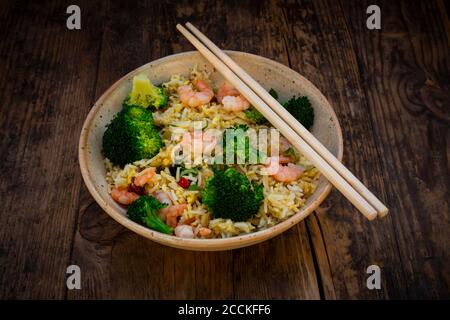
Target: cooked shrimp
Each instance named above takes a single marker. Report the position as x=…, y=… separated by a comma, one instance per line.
x=273, y=164
x=123, y=196
x=163, y=197
x=231, y=99
x=283, y=145
x=288, y=173
x=191, y=98
x=143, y=177
x=282, y=173
x=171, y=214
x=199, y=142
x=184, y=231
x=204, y=232
x=235, y=103
x=226, y=89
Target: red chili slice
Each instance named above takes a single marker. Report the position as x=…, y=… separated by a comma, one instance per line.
x=134, y=188
x=184, y=183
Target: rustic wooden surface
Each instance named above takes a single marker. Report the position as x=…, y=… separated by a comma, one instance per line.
x=390, y=89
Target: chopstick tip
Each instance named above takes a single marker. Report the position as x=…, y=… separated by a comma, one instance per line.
x=383, y=213
x=181, y=28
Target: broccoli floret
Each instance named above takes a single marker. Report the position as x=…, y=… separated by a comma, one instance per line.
x=256, y=116
x=301, y=109
x=229, y=194
x=131, y=136
x=273, y=93
x=145, y=94
x=145, y=211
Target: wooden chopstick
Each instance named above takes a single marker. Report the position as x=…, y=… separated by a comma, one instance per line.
x=293, y=123
x=297, y=141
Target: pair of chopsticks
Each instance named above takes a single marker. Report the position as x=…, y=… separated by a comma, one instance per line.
x=353, y=189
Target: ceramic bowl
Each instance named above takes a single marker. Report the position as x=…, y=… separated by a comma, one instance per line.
x=269, y=74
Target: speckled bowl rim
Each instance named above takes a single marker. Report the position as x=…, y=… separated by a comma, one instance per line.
x=198, y=244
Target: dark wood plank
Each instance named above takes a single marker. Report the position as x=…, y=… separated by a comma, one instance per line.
x=322, y=262
x=321, y=50
x=375, y=82
x=444, y=10
x=47, y=81
x=405, y=71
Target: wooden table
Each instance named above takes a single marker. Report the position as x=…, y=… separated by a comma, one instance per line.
x=390, y=90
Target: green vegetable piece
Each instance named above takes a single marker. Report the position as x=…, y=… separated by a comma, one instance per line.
x=300, y=108
x=145, y=211
x=256, y=116
x=193, y=187
x=145, y=94
x=273, y=93
x=187, y=171
x=131, y=136
x=230, y=195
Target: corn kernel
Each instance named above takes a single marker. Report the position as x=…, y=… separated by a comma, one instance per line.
x=191, y=198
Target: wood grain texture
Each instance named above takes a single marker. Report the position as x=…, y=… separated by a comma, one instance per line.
x=319, y=31
x=45, y=94
x=390, y=90
x=409, y=101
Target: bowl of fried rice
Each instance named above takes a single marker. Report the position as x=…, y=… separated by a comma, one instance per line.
x=174, y=153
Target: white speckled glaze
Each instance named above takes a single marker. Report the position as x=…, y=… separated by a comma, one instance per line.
x=268, y=73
